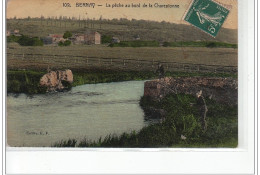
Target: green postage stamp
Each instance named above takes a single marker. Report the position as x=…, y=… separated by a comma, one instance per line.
x=207, y=15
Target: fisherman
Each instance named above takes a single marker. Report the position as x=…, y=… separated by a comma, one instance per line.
x=160, y=70
x=202, y=109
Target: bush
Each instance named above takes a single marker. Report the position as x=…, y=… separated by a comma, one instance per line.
x=166, y=44
x=67, y=34
x=24, y=82
x=211, y=45
x=29, y=41
x=13, y=86
x=65, y=43
x=106, y=39
x=13, y=38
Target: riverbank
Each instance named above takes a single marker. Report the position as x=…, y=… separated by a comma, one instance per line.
x=27, y=81
x=180, y=128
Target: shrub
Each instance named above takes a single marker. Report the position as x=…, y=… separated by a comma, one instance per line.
x=29, y=41
x=211, y=45
x=24, y=82
x=65, y=43
x=106, y=39
x=13, y=86
x=166, y=44
x=67, y=34
x=13, y=38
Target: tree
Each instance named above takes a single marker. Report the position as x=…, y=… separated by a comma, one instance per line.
x=67, y=34
x=29, y=41
x=106, y=39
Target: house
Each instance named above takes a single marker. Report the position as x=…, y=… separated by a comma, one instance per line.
x=115, y=40
x=78, y=39
x=56, y=38
x=92, y=38
x=87, y=38
x=16, y=32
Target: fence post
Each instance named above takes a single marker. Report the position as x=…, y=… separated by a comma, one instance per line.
x=124, y=62
x=198, y=68
x=111, y=61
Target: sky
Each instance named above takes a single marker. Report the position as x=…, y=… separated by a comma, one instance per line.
x=53, y=8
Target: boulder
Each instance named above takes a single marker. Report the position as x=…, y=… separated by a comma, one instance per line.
x=56, y=80
x=223, y=90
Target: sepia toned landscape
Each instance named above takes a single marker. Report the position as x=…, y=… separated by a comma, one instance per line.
x=74, y=82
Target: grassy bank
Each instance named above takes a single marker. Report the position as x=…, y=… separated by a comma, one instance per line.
x=210, y=44
x=135, y=44
x=24, y=82
x=106, y=76
x=28, y=81
x=182, y=118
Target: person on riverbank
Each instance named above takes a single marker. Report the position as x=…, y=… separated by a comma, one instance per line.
x=160, y=70
x=202, y=109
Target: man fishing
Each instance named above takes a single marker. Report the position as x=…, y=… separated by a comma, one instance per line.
x=160, y=70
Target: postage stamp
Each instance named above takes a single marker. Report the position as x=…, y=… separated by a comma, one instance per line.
x=207, y=16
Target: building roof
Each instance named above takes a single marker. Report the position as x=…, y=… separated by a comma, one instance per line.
x=55, y=36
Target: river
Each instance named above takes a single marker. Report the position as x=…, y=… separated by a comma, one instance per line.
x=87, y=111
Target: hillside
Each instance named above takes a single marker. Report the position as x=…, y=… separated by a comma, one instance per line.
x=123, y=29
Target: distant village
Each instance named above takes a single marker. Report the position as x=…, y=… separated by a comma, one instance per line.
x=89, y=38
x=86, y=38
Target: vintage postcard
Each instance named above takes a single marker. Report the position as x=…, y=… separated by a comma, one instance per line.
x=122, y=74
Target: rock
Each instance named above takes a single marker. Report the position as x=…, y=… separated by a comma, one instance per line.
x=55, y=80
x=223, y=90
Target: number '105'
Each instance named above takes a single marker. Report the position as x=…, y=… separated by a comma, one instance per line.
x=66, y=5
